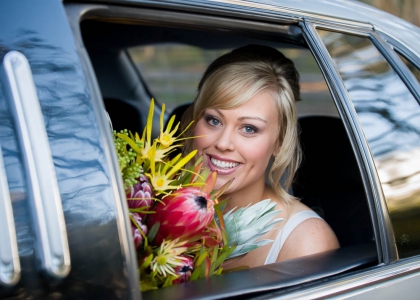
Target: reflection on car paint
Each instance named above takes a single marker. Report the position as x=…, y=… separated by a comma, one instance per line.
x=77, y=151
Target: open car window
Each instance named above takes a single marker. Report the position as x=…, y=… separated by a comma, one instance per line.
x=137, y=60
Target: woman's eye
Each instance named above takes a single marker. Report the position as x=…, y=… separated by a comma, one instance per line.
x=250, y=129
x=212, y=121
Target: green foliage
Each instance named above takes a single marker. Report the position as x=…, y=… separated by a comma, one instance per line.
x=247, y=224
x=130, y=169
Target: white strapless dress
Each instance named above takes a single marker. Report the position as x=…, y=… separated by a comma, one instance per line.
x=290, y=225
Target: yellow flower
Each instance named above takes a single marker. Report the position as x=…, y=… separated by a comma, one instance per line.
x=165, y=141
x=161, y=174
x=166, y=138
x=168, y=257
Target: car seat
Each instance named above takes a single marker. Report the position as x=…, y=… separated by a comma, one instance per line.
x=178, y=112
x=123, y=115
x=328, y=179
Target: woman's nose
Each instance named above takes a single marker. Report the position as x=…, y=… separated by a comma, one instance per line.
x=225, y=141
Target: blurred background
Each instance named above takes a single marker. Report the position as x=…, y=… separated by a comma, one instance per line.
x=408, y=10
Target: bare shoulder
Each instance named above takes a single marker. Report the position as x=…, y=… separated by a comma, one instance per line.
x=311, y=236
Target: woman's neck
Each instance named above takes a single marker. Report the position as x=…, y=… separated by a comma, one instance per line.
x=250, y=194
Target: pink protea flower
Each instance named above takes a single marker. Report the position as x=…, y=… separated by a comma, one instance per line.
x=137, y=236
x=141, y=194
x=183, y=215
x=184, y=271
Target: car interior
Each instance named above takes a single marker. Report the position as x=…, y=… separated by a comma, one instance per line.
x=136, y=60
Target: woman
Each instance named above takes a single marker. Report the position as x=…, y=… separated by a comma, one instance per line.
x=245, y=114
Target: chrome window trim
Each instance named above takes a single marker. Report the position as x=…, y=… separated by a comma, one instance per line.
x=384, y=235
x=398, y=65
x=403, y=50
x=400, y=45
x=364, y=30
x=9, y=255
x=357, y=280
x=239, y=8
x=51, y=243
x=415, y=60
x=75, y=14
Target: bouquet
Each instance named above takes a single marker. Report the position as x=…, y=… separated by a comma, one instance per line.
x=178, y=228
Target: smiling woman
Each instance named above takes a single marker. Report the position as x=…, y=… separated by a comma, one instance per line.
x=245, y=114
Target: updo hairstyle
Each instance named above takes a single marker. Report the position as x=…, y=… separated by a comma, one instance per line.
x=236, y=77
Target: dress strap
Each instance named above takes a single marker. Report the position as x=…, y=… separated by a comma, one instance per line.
x=284, y=233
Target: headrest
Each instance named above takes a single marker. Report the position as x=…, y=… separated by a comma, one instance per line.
x=328, y=158
x=123, y=115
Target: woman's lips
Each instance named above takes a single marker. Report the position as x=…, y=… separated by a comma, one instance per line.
x=222, y=166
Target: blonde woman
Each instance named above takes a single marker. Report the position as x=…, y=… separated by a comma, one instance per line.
x=245, y=111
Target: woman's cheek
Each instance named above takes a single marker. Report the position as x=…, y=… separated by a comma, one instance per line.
x=201, y=140
x=259, y=149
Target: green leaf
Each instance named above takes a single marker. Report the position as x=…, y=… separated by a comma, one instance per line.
x=218, y=271
x=201, y=257
x=147, y=286
x=215, y=254
x=146, y=263
x=195, y=274
x=203, y=268
x=203, y=176
x=130, y=142
x=153, y=231
x=214, y=259
x=168, y=281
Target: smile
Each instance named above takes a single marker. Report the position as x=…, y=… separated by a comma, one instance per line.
x=223, y=164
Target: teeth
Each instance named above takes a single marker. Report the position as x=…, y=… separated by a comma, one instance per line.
x=223, y=164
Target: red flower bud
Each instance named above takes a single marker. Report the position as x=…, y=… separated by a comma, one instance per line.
x=137, y=236
x=183, y=214
x=141, y=194
x=184, y=271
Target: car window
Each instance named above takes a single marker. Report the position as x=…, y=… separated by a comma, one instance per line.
x=172, y=73
x=390, y=118
x=166, y=62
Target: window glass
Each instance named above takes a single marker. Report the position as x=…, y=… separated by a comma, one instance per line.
x=411, y=67
x=172, y=73
x=390, y=117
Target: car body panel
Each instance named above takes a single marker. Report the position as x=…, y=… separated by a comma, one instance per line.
x=98, y=259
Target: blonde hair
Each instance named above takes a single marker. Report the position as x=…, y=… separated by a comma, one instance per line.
x=236, y=77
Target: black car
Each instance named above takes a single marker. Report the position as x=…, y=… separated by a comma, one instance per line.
x=69, y=66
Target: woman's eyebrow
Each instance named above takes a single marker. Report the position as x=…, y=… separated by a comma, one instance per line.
x=252, y=118
x=242, y=118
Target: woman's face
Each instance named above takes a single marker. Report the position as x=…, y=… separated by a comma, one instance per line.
x=238, y=143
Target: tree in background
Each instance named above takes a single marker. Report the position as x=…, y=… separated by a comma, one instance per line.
x=408, y=10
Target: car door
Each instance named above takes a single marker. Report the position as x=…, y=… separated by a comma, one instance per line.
x=62, y=221
x=379, y=95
